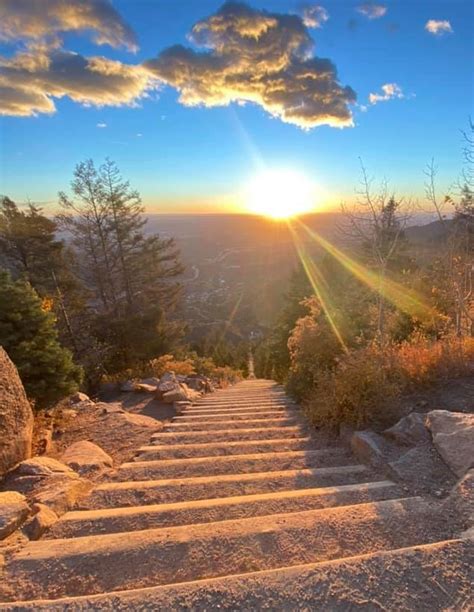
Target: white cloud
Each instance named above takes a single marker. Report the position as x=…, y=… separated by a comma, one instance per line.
x=390, y=91
x=259, y=57
x=314, y=15
x=371, y=10
x=36, y=19
x=30, y=81
x=438, y=27
x=102, y=125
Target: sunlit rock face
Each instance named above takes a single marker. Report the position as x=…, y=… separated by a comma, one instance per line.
x=16, y=417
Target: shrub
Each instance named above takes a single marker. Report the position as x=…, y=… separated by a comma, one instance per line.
x=29, y=335
x=363, y=387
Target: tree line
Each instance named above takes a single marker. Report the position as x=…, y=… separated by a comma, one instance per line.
x=89, y=291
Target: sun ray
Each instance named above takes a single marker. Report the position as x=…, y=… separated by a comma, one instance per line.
x=406, y=300
x=318, y=283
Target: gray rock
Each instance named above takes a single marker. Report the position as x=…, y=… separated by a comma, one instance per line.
x=168, y=387
x=40, y=466
x=60, y=492
x=14, y=510
x=422, y=467
x=43, y=519
x=79, y=397
x=461, y=500
x=16, y=417
x=175, y=395
x=409, y=431
x=145, y=388
x=110, y=408
x=369, y=448
x=86, y=458
x=47, y=481
x=453, y=436
x=153, y=381
x=127, y=386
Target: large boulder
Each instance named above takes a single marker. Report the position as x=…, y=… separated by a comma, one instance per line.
x=409, y=431
x=79, y=397
x=461, y=500
x=42, y=520
x=16, y=417
x=370, y=448
x=175, y=395
x=86, y=458
x=49, y=482
x=453, y=437
x=14, y=510
x=40, y=466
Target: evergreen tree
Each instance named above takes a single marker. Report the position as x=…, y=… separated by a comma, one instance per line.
x=29, y=335
x=28, y=245
x=131, y=275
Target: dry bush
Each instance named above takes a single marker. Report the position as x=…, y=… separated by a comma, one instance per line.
x=362, y=389
x=168, y=363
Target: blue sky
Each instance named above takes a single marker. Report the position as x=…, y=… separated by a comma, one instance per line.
x=184, y=158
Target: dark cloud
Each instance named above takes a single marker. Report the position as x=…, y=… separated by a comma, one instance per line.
x=30, y=81
x=260, y=57
x=36, y=19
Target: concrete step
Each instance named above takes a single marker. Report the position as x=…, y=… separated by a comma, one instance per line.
x=240, y=464
x=230, y=403
x=431, y=577
x=215, y=449
x=235, y=416
x=233, y=435
x=93, y=522
x=97, y=564
x=138, y=493
x=229, y=424
x=250, y=409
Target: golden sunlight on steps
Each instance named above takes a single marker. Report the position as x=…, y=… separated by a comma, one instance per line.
x=236, y=505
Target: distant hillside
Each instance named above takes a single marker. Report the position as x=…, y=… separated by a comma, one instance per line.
x=429, y=233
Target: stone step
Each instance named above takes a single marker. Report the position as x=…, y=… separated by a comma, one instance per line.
x=250, y=409
x=228, y=403
x=428, y=577
x=101, y=563
x=234, y=435
x=235, y=416
x=240, y=464
x=214, y=449
x=138, y=493
x=114, y=520
x=229, y=424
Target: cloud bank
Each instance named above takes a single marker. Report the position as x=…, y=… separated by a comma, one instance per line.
x=260, y=57
x=31, y=80
x=35, y=19
x=240, y=55
x=371, y=10
x=437, y=27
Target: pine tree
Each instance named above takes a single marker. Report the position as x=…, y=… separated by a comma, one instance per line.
x=28, y=245
x=131, y=275
x=29, y=335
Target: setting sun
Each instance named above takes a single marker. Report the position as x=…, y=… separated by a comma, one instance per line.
x=279, y=194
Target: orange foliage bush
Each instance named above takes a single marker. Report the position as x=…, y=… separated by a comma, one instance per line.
x=365, y=383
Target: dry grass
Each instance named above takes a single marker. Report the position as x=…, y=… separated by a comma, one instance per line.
x=363, y=387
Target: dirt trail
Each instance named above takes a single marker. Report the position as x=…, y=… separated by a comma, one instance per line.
x=237, y=505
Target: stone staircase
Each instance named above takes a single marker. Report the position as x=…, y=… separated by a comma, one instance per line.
x=235, y=506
